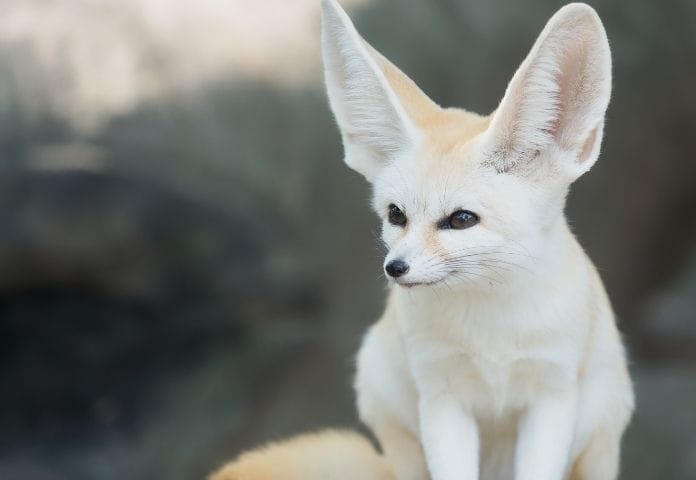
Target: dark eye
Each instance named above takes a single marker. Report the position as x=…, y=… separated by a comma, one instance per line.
x=396, y=216
x=460, y=220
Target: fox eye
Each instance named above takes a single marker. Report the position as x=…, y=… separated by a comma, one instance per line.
x=460, y=220
x=396, y=216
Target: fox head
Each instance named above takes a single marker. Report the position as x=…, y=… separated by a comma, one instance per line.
x=469, y=200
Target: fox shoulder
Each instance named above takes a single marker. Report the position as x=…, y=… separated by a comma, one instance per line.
x=326, y=455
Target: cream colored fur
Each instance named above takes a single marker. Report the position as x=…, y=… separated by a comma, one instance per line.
x=497, y=356
x=328, y=455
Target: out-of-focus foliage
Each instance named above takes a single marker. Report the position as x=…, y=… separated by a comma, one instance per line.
x=187, y=266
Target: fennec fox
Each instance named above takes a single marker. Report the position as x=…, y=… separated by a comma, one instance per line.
x=498, y=356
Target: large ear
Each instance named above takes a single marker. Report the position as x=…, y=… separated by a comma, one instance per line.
x=374, y=124
x=556, y=101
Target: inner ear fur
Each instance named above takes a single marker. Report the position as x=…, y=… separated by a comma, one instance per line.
x=377, y=107
x=558, y=97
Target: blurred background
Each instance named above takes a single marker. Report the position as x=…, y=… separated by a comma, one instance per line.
x=187, y=267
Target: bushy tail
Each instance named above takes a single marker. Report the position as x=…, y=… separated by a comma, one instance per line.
x=326, y=455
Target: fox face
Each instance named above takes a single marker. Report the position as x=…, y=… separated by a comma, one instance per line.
x=450, y=218
x=470, y=201
x=446, y=219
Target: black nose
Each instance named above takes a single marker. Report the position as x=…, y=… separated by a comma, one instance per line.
x=396, y=268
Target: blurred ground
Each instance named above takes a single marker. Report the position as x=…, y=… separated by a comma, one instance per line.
x=187, y=266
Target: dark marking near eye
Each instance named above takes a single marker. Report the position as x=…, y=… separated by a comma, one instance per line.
x=396, y=216
x=459, y=220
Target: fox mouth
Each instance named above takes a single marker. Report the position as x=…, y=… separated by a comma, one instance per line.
x=406, y=284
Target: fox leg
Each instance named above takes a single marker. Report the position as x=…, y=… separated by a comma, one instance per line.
x=599, y=460
x=387, y=401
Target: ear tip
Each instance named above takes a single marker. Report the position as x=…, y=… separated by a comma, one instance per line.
x=578, y=9
x=327, y=9
x=581, y=20
x=333, y=17
x=580, y=12
x=331, y=8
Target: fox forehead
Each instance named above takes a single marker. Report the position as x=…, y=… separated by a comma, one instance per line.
x=443, y=171
x=451, y=130
x=444, y=129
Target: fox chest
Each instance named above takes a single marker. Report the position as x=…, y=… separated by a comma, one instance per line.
x=492, y=380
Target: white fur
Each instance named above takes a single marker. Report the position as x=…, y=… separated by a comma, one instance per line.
x=508, y=363
x=374, y=125
x=558, y=96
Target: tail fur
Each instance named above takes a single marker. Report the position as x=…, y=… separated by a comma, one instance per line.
x=326, y=455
